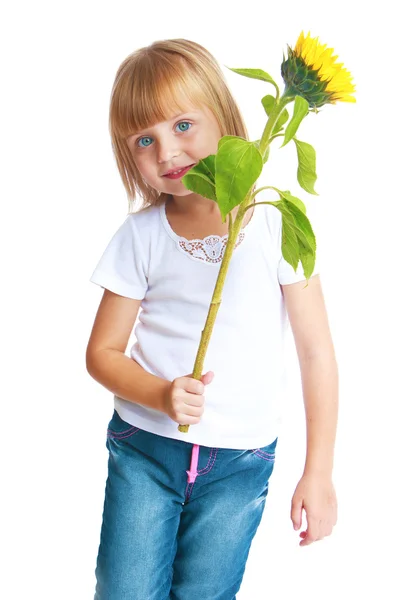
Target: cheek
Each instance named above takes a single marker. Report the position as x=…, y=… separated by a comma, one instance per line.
x=144, y=167
x=207, y=145
x=214, y=139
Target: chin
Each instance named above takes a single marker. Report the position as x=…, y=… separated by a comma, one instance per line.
x=180, y=192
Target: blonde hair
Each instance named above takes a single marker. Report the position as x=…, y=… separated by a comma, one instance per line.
x=149, y=84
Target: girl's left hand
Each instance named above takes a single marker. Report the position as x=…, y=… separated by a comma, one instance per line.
x=315, y=493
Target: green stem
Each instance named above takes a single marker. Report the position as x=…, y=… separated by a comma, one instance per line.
x=275, y=136
x=272, y=119
x=258, y=203
x=234, y=229
x=265, y=187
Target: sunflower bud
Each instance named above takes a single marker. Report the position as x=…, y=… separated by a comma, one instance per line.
x=310, y=71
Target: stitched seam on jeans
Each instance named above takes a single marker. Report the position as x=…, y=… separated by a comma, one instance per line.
x=258, y=450
x=207, y=469
x=267, y=457
x=122, y=434
x=209, y=466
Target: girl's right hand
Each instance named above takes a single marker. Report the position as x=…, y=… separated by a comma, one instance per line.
x=184, y=399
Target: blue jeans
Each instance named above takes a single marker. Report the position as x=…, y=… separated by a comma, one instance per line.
x=163, y=538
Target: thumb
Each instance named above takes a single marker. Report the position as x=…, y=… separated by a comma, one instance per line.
x=207, y=377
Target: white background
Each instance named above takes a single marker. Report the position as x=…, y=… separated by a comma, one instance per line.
x=62, y=200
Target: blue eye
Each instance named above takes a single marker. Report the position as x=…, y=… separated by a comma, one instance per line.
x=144, y=138
x=149, y=138
x=184, y=123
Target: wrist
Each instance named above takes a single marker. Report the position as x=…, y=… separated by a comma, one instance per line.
x=163, y=395
x=318, y=471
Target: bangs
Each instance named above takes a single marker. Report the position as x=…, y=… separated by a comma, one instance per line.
x=156, y=89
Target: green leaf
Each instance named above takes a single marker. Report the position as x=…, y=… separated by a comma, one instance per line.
x=298, y=241
x=300, y=111
x=256, y=74
x=288, y=196
x=226, y=138
x=238, y=166
x=289, y=244
x=268, y=104
x=201, y=178
x=306, y=172
x=302, y=226
x=266, y=155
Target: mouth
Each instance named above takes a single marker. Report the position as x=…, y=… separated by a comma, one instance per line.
x=179, y=173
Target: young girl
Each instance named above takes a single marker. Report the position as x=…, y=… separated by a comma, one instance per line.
x=181, y=509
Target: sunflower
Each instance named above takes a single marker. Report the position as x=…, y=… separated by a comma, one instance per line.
x=310, y=71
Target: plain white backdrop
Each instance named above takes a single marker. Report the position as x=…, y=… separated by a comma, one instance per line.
x=62, y=200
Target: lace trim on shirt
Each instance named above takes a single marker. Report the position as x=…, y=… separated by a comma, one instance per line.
x=210, y=249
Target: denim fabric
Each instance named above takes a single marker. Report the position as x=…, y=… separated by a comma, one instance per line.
x=165, y=539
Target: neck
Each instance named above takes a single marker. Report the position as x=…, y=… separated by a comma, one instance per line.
x=194, y=205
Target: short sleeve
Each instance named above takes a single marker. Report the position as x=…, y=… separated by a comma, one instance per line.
x=286, y=273
x=122, y=267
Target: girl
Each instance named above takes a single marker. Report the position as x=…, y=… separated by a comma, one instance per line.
x=181, y=510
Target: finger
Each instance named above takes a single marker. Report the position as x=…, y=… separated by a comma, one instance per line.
x=190, y=411
x=193, y=386
x=194, y=401
x=307, y=539
x=312, y=532
x=186, y=399
x=297, y=513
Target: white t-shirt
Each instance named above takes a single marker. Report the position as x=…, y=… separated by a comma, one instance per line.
x=175, y=279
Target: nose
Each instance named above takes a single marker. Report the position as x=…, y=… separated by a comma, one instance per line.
x=167, y=149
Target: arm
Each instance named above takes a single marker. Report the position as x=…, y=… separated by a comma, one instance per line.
x=309, y=323
x=106, y=361
x=320, y=390
x=124, y=377
x=315, y=492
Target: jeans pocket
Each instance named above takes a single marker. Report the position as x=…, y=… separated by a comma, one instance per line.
x=119, y=429
x=267, y=452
